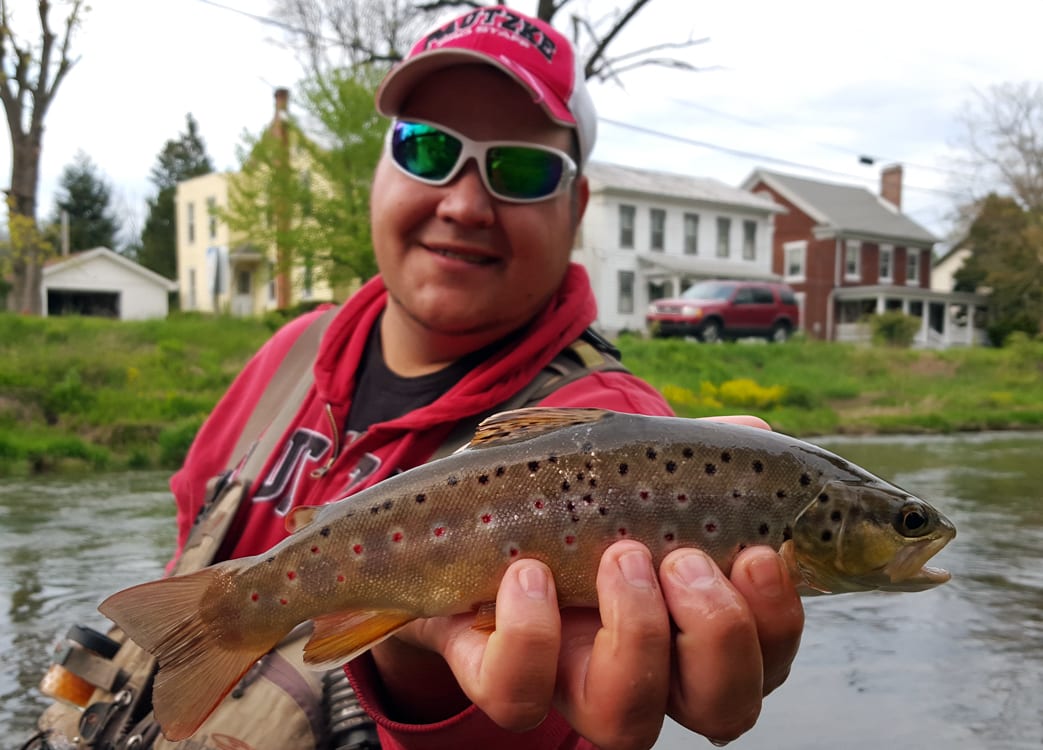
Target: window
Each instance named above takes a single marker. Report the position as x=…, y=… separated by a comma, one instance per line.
x=749, y=240
x=795, y=258
x=192, y=302
x=660, y=290
x=626, y=226
x=853, y=260
x=211, y=212
x=191, y=223
x=242, y=283
x=912, y=266
x=658, y=237
x=691, y=234
x=625, y=301
x=724, y=229
x=887, y=253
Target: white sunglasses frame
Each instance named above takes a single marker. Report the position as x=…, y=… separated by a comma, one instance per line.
x=477, y=150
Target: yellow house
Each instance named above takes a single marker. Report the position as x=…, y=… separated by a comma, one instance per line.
x=219, y=272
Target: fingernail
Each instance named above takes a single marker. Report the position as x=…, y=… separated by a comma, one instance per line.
x=533, y=581
x=694, y=569
x=765, y=573
x=637, y=570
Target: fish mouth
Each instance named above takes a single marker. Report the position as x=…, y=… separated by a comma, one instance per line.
x=908, y=571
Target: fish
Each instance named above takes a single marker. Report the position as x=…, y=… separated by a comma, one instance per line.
x=556, y=484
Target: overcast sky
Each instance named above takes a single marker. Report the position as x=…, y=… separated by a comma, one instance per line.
x=803, y=87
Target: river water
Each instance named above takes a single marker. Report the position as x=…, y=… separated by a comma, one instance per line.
x=959, y=667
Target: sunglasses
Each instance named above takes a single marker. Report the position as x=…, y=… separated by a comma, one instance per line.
x=513, y=171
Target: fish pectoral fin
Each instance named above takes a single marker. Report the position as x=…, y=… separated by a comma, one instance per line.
x=300, y=517
x=518, y=425
x=341, y=636
x=485, y=618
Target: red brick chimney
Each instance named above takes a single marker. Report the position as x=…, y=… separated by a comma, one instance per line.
x=891, y=184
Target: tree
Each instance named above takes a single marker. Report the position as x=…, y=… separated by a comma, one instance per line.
x=332, y=34
x=305, y=192
x=84, y=196
x=29, y=79
x=1006, y=242
x=1002, y=131
x=181, y=159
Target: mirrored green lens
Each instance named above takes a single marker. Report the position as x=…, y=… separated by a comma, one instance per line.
x=424, y=150
x=520, y=172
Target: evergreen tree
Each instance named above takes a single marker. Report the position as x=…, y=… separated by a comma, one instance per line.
x=85, y=197
x=179, y=160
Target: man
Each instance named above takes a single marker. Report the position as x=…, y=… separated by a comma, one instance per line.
x=475, y=296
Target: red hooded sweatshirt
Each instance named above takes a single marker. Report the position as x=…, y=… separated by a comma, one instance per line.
x=316, y=439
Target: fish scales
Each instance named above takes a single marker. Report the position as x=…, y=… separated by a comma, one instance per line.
x=558, y=485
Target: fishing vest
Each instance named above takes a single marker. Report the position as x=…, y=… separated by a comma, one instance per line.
x=280, y=704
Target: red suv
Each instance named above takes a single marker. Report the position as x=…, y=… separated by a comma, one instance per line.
x=716, y=310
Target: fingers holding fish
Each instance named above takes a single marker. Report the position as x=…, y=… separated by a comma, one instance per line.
x=614, y=671
x=718, y=682
x=762, y=578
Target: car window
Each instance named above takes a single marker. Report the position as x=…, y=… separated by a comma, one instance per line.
x=787, y=297
x=762, y=296
x=744, y=296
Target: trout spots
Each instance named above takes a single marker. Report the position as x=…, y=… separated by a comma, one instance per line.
x=324, y=532
x=763, y=530
x=421, y=498
x=710, y=469
x=291, y=575
x=500, y=471
x=602, y=510
x=357, y=550
x=688, y=453
x=787, y=534
x=587, y=447
x=726, y=457
x=534, y=466
x=623, y=469
x=565, y=486
x=621, y=532
x=682, y=499
x=538, y=505
x=284, y=602
x=552, y=459
x=737, y=493
x=827, y=535
x=836, y=516
x=780, y=494
x=823, y=498
x=314, y=550
x=668, y=539
x=452, y=480
x=651, y=454
x=670, y=466
x=805, y=479
x=438, y=532
x=758, y=467
x=397, y=536
x=511, y=551
x=588, y=499
x=341, y=578
x=570, y=541
x=710, y=526
x=487, y=518
x=255, y=597
x=483, y=479
x=645, y=496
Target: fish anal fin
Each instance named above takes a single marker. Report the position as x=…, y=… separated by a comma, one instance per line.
x=341, y=636
x=485, y=618
x=300, y=517
x=517, y=425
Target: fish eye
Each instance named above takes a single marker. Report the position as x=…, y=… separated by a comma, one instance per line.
x=911, y=520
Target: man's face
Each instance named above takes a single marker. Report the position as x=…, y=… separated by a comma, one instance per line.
x=456, y=260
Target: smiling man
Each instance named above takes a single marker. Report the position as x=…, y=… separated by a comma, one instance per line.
x=475, y=207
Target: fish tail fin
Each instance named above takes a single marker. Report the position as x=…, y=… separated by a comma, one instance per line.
x=199, y=661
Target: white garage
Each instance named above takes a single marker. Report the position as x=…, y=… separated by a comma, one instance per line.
x=103, y=283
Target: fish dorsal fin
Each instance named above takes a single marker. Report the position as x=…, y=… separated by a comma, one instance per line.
x=300, y=517
x=519, y=425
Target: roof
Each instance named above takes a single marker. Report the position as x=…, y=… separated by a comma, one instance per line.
x=605, y=176
x=57, y=265
x=845, y=209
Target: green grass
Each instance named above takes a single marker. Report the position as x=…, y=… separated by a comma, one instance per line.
x=88, y=394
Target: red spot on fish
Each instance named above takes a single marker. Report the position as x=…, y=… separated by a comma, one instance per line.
x=283, y=601
x=643, y=494
x=255, y=596
x=668, y=537
x=513, y=552
x=682, y=498
x=397, y=536
x=357, y=549
x=440, y=531
x=291, y=574
x=538, y=505
x=487, y=518
x=340, y=579
x=315, y=550
x=570, y=540
x=622, y=531
x=710, y=527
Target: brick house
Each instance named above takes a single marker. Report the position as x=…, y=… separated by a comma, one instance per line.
x=849, y=253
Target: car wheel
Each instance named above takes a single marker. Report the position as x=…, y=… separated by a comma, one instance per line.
x=780, y=333
x=711, y=332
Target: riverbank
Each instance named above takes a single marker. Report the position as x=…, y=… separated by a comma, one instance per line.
x=86, y=393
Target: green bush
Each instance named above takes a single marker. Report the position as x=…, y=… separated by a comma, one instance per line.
x=894, y=328
x=175, y=440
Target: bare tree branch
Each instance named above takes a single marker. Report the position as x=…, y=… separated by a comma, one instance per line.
x=611, y=63
x=603, y=43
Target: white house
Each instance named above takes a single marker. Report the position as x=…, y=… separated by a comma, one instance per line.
x=648, y=235
x=101, y=282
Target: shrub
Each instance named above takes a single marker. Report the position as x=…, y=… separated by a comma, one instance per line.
x=894, y=328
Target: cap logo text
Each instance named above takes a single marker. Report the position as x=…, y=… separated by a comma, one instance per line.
x=494, y=21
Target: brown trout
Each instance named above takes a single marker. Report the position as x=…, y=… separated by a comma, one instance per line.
x=558, y=485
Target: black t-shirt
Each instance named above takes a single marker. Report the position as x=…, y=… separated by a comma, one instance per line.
x=381, y=395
